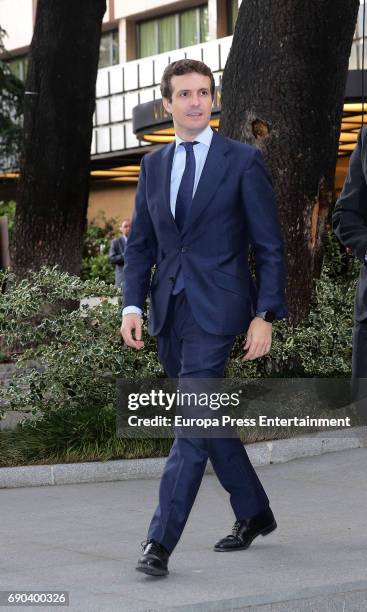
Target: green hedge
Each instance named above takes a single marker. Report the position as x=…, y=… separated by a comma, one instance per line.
x=95, y=263
x=100, y=232
x=72, y=396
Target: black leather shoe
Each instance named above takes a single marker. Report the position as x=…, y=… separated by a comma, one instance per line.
x=245, y=531
x=154, y=559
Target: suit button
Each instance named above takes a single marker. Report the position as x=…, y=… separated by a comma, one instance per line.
x=184, y=249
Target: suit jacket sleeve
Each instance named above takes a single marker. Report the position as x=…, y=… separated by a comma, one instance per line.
x=265, y=236
x=350, y=213
x=141, y=249
x=115, y=256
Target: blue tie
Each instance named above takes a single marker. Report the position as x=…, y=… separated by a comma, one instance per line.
x=184, y=195
x=184, y=201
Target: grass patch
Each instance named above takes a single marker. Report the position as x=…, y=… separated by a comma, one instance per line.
x=20, y=447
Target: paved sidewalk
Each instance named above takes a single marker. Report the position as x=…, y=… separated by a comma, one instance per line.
x=84, y=538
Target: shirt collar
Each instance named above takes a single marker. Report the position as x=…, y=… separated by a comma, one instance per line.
x=205, y=137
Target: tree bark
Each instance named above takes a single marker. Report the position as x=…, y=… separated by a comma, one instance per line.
x=283, y=90
x=59, y=104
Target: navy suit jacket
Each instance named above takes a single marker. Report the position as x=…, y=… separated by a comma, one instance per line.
x=350, y=218
x=116, y=257
x=233, y=206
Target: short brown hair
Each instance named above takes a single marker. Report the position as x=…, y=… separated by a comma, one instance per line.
x=184, y=66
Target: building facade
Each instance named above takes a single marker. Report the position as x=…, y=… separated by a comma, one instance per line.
x=138, y=40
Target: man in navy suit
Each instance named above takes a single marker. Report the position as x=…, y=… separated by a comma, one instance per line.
x=200, y=202
x=350, y=226
x=117, y=252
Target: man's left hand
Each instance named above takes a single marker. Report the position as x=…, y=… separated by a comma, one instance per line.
x=258, y=339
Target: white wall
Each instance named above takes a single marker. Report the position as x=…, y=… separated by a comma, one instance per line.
x=16, y=18
x=106, y=16
x=134, y=8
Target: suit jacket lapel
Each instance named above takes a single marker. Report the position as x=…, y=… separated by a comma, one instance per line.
x=167, y=160
x=215, y=168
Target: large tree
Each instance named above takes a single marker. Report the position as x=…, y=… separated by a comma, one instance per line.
x=283, y=90
x=58, y=110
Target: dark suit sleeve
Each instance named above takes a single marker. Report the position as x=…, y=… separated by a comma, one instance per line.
x=265, y=236
x=115, y=256
x=141, y=249
x=350, y=213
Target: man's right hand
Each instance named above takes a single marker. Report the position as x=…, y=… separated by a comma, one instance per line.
x=132, y=323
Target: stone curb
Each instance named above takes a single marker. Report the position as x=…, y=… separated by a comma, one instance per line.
x=330, y=598
x=260, y=453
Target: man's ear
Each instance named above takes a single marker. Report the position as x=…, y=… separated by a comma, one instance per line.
x=167, y=104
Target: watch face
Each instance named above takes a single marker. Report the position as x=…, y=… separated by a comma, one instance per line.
x=269, y=316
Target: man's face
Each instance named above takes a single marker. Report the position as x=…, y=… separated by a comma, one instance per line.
x=191, y=103
x=125, y=228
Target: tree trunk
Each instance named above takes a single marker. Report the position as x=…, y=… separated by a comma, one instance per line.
x=59, y=104
x=283, y=89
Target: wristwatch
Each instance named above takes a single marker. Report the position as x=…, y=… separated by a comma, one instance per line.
x=266, y=315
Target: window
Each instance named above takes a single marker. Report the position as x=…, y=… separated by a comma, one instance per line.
x=148, y=39
x=167, y=33
x=173, y=31
x=19, y=67
x=232, y=14
x=109, y=49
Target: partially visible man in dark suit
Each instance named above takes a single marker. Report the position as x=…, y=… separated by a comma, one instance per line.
x=350, y=226
x=200, y=202
x=117, y=252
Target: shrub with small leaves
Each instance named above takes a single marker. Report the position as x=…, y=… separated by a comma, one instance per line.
x=79, y=352
x=7, y=209
x=95, y=263
x=322, y=345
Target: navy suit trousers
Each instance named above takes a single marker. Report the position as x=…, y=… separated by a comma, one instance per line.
x=359, y=370
x=187, y=351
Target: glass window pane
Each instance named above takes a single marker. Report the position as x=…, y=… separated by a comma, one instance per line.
x=115, y=47
x=25, y=68
x=147, y=38
x=167, y=33
x=16, y=66
x=204, y=24
x=104, y=51
x=189, y=34
x=19, y=67
x=232, y=15
x=109, y=49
